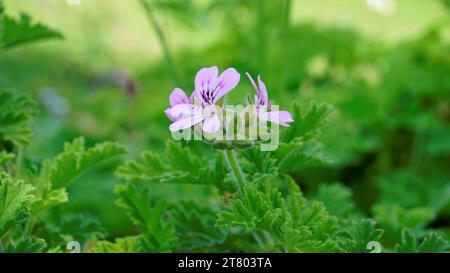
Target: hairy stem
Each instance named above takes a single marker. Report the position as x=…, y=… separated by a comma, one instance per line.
x=235, y=169
x=162, y=40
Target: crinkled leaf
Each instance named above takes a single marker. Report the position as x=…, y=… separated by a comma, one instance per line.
x=15, y=118
x=194, y=226
x=359, y=234
x=157, y=234
x=121, y=245
x=307, y=123
x=70, y=164
x=56, y=175
x=432, y=243
x=14, y=197
x=179, y=165
x=337, y=199
x=394, y=218
x=27, y=245
x=296, y=225
x=20, y=31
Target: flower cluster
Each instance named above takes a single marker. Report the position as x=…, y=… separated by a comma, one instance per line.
x=210, y=88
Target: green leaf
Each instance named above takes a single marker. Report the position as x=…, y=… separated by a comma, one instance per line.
x=393, y=219
x=58, y=174
x=257, y=165
x=15, y=196
x=180, y=165
x=17, y=32
x=294, y=157
x=359, y=234
x=408, y=189
x=294, y=224
x=5, y=157
x=121, y=245
x=157, y=234
x=432, y=243
x=27, y=245
x=337, y=199
x=75, y=160
x=15, y=118
x=194, y=224
x=80, y=227
x=307, y=123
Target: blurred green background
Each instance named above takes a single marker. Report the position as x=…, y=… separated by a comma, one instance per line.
x=383, y=64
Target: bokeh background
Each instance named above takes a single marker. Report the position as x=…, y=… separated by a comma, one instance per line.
x=383, y=64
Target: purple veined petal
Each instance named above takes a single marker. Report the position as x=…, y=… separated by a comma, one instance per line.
x=178, y=97
x=212, y=124
x=280, y=117
x=205, y=78
x=263, y=96
x=185, y=123
x=226, y=82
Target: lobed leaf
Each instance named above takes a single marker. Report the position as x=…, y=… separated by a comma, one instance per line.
x=15, y=196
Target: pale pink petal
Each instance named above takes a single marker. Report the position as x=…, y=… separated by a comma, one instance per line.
x=185, y=123
x=182, y=110
x=226, y=82
x=187, y=109
x=206, y=78
x=280, y=117
x=263, y=96
x=168, y=114
x=178, y=97
x=194, y=95
x=212, y=124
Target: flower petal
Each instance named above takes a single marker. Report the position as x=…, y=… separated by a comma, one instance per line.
x=205, y=79
x=168, y=114
x=263, y=96
x=212, y=124
x=226, y=82
x=185, y=123
x=280, y=117
x=194, y=95
x=182, y=110
x=178, y=97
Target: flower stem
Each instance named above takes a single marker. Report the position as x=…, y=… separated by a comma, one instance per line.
x=235, y=169
x=162, y=40
x=261, y=33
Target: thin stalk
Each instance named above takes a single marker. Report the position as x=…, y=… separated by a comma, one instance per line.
x=261, y=32
x=162, y=40
x=287, y=14
x=235, y=169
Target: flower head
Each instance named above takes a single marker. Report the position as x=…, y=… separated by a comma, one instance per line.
x=210, y=87
x=263, y=106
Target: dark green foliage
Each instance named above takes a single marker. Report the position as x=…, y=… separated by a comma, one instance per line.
x=15, y=32
x=381, y=129
x=431, y=243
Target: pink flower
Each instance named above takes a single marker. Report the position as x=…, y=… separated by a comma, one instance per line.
x=262, y=105
x=210, y=87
